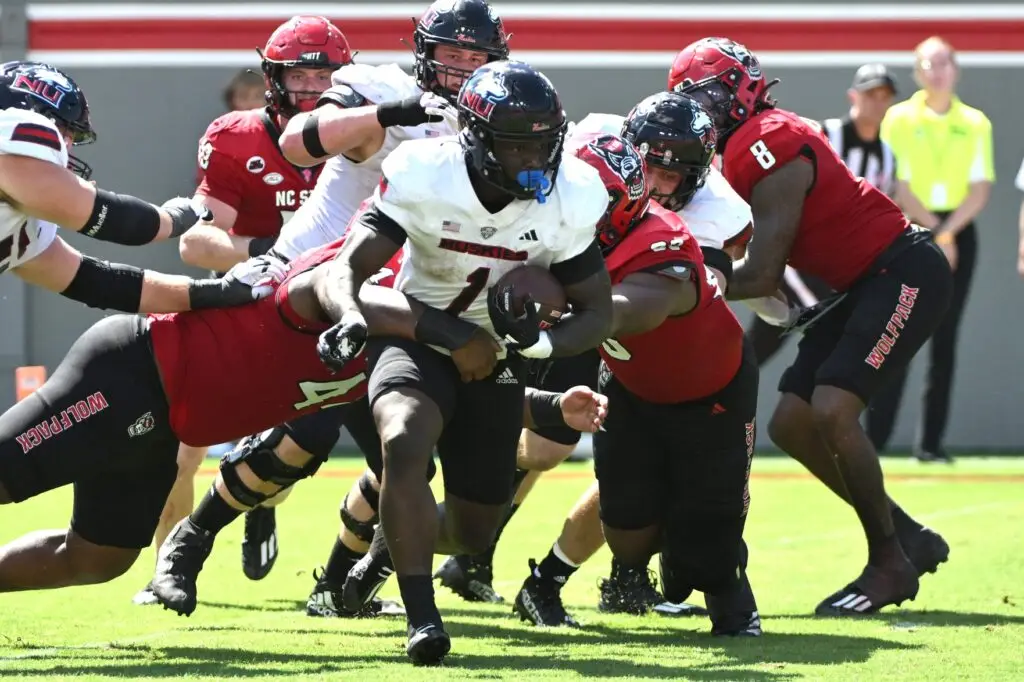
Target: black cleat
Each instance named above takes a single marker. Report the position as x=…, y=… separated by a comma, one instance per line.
x=179, y=561
x=259, y=544
x=939, y=456
x=325, y=601
x=539, y=601
x=470, y=579
x=734, y=614
x=629, y=591
x=428, y=644
x=873, y=590
x=926, y=549
x=362, y=584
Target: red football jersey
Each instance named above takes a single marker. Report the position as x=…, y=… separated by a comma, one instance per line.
x=230, y=372
x=240, y=163
x=846, y=223
x=685, y=358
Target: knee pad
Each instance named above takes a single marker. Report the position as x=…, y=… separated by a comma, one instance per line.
x=369, y=493
x=257, y=452
x=361, y=529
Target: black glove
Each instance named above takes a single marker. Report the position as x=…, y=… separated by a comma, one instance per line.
x=246, y=282
x=185, y=213
x=519, y=332
x=260, y=245
x=343, y=342
x=413, y=111
x=537, y=371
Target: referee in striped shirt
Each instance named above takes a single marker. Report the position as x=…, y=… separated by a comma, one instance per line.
x=855, y=138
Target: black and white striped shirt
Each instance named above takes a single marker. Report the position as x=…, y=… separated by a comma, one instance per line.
x=868, y=159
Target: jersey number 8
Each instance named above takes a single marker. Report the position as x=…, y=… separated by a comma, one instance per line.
x=763, y=155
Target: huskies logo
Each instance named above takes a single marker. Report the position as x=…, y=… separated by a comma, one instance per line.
x=740, y=53
x=624, y=162
x=482, y=94
x=51, y=88
x=702, y=125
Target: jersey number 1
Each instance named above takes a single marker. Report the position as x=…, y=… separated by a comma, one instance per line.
x=475, y=283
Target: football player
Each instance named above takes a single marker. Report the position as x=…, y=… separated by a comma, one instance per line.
x=43, y=113
x=362, y=118
x=673, y=462
x=110, y=418
x=721, y=222
x=893, y=288
x=471, y=208
x=252, y=191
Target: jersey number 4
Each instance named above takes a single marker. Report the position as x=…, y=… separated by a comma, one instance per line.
x=764, y=156
x=616, y=350
x=475, y=283
x=317, y=392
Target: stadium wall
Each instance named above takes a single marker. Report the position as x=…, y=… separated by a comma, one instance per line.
x=153, y=73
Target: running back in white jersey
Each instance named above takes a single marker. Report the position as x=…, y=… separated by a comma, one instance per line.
x=716, y=214
x=344, y=184
x=26, y=133
x=456, y=249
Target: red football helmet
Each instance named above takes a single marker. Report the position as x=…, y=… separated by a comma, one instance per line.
x=306, y=42
x=624, y=173
x=725, y=78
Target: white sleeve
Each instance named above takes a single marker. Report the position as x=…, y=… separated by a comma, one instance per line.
x=600, y=123
x=394, y=196
x=1019, y=182
x=588, y=200
x=26, y=133
x=716, y=213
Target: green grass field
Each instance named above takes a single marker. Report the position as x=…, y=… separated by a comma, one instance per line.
x=967, y=622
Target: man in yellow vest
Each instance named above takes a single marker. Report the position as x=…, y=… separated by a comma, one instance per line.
x=943, y=151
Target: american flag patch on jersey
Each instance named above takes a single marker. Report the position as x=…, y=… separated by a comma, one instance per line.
x=449, y=226
x=36, y=134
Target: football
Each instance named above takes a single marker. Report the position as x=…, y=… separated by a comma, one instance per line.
x=539, y=284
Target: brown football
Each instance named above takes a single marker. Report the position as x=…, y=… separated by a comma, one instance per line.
x=542, y=287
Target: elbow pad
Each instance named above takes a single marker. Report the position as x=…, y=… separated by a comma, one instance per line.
x=122, y=219
x=105, y=285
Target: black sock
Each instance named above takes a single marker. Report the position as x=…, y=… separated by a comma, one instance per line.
x=902, y=522
x=213, y=513
x=418, y=598
x=379, y=550
x=553, y=568
x=341, y=561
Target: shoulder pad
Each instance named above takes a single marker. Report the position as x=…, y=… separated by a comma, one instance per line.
x=27, y=133
x=609, y=124
x=341, y=95
x=583, y=191
x=386, y=83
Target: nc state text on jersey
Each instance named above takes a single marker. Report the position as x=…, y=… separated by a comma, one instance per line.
x=291, y=198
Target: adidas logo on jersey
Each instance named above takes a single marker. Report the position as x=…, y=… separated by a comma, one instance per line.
x=530, y=236
x=506, y=377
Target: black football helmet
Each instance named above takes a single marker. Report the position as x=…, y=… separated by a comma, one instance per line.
x=42, y=88
x=674, y=132
x=513, y=128
x=465, y=24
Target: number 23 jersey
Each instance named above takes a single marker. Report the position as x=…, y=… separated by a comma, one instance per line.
x=455, y=248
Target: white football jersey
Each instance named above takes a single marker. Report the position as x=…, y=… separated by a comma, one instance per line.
x=715, y=214
x=344, y=184
x=456, y=249
x=26, y=133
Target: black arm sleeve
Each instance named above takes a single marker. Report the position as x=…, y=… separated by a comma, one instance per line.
x=378, y=221
x=717, y=259
x=579, y=267
x=122, y=219
x=105, y=285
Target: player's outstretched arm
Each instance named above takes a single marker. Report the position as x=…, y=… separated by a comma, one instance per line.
x=643, y=300
x=113, y=286
x=369, y=245
x=392, y=313
x=777, y=202
x=49, y=192
x=579, y=408
x=589, y=289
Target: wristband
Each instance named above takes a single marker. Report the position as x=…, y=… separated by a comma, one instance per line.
x=541, y=349
x=546, y=409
